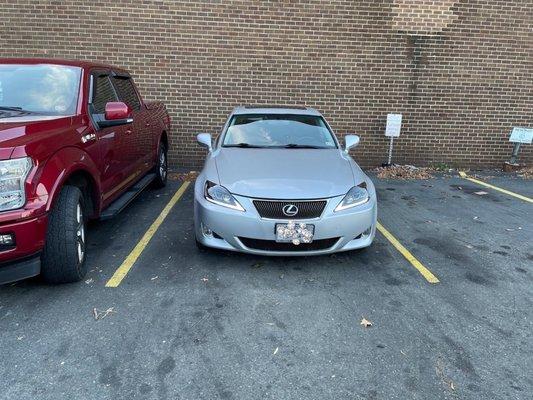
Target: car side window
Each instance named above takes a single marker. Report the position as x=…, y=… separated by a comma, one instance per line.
x=126, y=92
x=103, y=93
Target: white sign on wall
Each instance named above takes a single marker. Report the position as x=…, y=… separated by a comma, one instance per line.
x=394, y=125
x=521, y=135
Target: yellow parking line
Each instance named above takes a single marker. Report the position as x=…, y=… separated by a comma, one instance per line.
x=507, y=192
x=426, y=273
x=123, y=270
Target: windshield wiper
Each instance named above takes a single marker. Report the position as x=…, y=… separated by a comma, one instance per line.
x=244, y=145
x=4, y=108
x=302, y=146
x=20, y=110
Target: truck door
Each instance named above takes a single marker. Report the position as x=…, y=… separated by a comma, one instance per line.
x=141, y=133
x=114, y=142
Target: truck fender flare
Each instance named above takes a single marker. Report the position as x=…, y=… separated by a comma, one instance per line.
x=62, y=165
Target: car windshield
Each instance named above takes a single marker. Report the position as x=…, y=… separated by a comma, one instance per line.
x=278, y=131
x=40, y=89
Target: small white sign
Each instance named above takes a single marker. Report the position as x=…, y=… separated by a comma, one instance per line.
x=394, y=125
x=521, y=135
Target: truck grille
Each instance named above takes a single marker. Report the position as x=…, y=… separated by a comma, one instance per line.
x=272, y=245
x=305, y=209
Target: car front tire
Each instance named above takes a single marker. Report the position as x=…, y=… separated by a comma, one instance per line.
x=63, y=258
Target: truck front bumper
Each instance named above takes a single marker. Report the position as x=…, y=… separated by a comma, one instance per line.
x=20, y=258
x=18, y=270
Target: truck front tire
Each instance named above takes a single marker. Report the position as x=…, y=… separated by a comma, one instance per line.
x=63, y=258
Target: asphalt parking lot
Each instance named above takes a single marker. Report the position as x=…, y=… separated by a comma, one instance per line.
x=185, y=324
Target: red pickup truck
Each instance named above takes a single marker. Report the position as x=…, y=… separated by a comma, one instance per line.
x=77, y=142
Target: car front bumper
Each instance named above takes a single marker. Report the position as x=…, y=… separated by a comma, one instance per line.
x=247, y=232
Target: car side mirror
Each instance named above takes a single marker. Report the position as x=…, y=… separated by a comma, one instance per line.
x=350, y=141
x=205, y=140
x=116, y=113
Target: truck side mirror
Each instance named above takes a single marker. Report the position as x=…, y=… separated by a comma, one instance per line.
x=205, y=140
x=116, y=113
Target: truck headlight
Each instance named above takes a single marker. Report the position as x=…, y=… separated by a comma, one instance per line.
x=355, y=197
x=13, y=174
x=218, y=194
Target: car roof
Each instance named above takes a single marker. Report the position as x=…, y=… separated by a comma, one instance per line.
x=57, y=61
x=242, y=110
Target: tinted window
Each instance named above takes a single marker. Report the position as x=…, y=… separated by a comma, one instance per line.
x=277, y=130
x=103, y=93
x=46, y=89
x=126, y=92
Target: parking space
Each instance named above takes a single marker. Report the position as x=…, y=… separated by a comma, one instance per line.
x=190, y=324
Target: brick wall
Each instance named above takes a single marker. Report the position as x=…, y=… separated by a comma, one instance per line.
x=459, y=71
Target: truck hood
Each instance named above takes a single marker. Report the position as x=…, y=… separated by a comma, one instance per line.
x=19, y=131
x=284, y=173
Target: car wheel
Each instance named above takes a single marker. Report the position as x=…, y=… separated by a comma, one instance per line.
x=63, y=258
x=200, y=246
x=161, y=169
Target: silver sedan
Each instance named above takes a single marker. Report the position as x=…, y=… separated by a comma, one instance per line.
x=277, y=182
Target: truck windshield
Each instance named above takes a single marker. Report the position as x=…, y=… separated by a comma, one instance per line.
x=278, y=131
x=41, y=89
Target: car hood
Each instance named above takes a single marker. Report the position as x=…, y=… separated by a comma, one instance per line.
x=284, y=173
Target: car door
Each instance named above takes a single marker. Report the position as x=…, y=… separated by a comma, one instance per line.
x=141, y=133
x=114, y=142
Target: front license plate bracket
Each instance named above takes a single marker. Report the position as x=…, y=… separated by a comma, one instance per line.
x=294, y=232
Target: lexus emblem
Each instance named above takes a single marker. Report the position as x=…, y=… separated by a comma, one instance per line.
x=290, y=210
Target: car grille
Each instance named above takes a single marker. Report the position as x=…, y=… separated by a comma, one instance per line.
x=271, y=245
x=274, y=209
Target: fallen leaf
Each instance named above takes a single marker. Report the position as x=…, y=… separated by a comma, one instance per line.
x=153, y=278
x=188, y=176
x=204, y=279
x=276, y=351
x=481, y=193
x=403, y=172
x=89, y=281
x=366, y=323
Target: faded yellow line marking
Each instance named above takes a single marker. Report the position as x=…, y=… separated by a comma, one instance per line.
x=426, y=273
x=507, y=192
x=125, y=267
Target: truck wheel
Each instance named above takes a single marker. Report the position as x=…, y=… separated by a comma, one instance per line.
x=63, y=259
x=161, y=169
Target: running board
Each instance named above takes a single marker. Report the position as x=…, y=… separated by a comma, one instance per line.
x=121, y=203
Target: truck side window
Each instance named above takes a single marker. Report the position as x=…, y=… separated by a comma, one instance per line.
x=126, y=92
x=103, y=93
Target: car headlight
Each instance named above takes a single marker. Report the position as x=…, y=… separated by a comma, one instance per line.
x=218, y=194
x=355, y=197
x=13, y=174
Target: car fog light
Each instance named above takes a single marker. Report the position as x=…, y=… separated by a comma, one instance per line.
x=206, y=231
x=7, y=239
x=367, y=232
